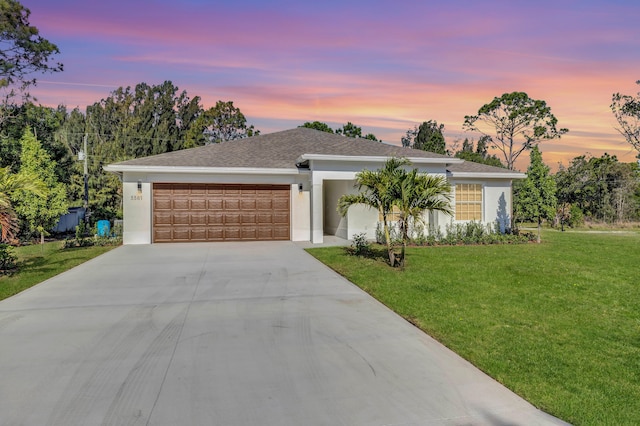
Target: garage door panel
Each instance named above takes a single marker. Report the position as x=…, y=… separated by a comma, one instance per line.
x=198, y=204
x=231, y=218
x=215, y=204
x=181, y=233
x=281, y=218
x=198, y=234
x=248, y=219
x=231, y=232
x=280, y=204
x=161, y=203
x=249, y=233
x=219, y=212
x=198, y=219
x=264, y=218
x=181, y=189
x=281, y=233
x=160, y=218
x=215, y=218
x=264, y=204
x=215, y=234
x=179, y=204
x=198, y=189
x=231, y=204
x=162, y=234
x=248, y=204
x=181, y=218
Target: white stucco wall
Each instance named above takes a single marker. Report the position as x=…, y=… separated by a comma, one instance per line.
x=300, y=213
x=136, y=209
x=497, y=205
x=334, y=224
x=362, y=219
x=496, y=200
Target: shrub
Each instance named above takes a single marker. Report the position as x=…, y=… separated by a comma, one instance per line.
x=81, y=230
x=8, y=260
x=360, y=246
x=576, y=217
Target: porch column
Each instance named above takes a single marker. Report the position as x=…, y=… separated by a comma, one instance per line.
x=317, y=219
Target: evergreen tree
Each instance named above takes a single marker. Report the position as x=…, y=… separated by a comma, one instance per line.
x=429, y=136
x=479, y=155
x=318, y=125
x=39, y=213
x=535, y=197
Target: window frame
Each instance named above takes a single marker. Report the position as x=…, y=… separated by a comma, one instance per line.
x=478, y=205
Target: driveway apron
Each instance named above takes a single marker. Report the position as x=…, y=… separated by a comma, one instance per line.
x=229, y=334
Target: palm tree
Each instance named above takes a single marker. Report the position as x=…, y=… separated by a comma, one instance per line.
x=379, y=190
x=419, y=194
x=10, y=183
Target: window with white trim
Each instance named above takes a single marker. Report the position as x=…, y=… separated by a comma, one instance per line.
x=392, y=216
x=468, y=201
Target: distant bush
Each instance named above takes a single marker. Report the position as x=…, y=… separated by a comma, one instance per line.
x=576, y=217
x=8, y=260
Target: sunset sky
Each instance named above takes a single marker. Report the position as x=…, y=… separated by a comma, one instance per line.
x=383, y=65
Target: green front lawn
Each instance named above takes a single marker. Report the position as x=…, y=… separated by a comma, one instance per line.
x=558, y=323
x=40, y=262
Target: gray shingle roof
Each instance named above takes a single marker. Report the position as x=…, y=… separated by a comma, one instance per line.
x=281, y=150
x=276, y=150
x=471, y=167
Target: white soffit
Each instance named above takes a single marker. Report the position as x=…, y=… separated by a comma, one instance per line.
x=203, y=170
x=375, y=159
x=487, y=175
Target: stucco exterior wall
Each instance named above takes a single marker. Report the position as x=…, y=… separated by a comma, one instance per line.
x=497, y=206
x=334, y=224
x=136, y=209
x=496, y=201
x=300, y=213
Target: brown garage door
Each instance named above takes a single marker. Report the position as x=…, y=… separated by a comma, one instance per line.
x=217, y=212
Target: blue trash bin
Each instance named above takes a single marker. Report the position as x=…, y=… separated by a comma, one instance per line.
x=104, y=228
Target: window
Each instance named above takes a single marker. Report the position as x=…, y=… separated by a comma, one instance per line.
x=468, y=201
x=392, y=216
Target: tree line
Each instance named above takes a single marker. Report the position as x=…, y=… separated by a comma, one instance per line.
x=39, y=146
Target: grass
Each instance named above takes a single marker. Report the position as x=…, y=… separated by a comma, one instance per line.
x=558, y=322
x=38, y=263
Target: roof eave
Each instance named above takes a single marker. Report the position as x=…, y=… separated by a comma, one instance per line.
x=487, y=175
x=114, y=168
x=376, y=158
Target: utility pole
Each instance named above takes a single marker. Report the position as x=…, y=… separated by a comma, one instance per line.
x=86, y=176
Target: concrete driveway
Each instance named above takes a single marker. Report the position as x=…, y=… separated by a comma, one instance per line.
x=229, y=334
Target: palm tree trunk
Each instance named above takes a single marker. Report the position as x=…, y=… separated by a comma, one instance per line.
x=387, y=237
x=405, y=239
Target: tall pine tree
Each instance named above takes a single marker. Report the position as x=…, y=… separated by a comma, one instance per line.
x=39, y=213
x=535, y=197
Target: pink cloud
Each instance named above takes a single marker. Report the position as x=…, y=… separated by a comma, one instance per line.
x=386, y=65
